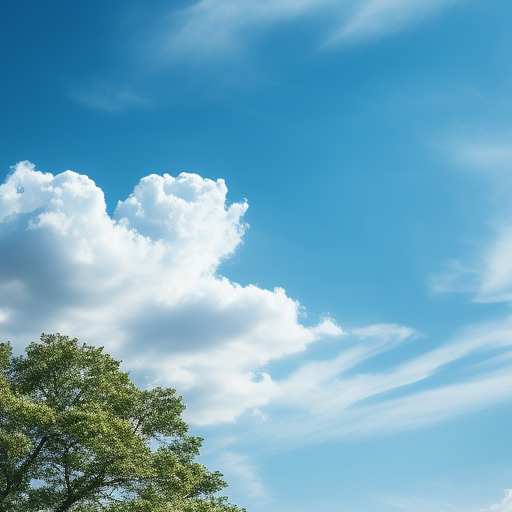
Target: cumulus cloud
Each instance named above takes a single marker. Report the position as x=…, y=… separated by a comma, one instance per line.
x=144, y=284
x=222, y=26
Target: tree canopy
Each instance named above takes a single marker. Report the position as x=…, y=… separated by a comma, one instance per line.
x=77, y=435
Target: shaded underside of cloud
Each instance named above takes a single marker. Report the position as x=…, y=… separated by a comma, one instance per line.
x=145, y=285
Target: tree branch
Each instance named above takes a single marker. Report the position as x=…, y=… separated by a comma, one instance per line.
x=17, y=479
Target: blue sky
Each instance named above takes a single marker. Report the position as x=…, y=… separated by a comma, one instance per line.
x=336, y=312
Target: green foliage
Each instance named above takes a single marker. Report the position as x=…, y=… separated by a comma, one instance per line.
x=77, y=435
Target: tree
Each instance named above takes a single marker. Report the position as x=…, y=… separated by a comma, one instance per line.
x=77, y=435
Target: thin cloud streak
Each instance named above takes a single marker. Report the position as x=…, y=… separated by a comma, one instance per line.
x=375, y=18
x=326, y=402
x=106, y=97
x=240, y=468
x=490, y=156
x=391, y=416
x=504, y=506
x=488, y=276
x=220, y=28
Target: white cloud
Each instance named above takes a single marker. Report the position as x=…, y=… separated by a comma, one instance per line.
x=485, y=155
x=504, y=506
x=428, y=505
x=489, y=275
x=355, y=409
x=374, y=18
x=220, y=27
x=457, y=278
x=107, y=97
x=496, y=276
x=386, y=332
x=241, y=471
x=339, y=397
x=422, y=505
x=404, y=505
x=144, y=284
x=415, y=506
x=328, y=327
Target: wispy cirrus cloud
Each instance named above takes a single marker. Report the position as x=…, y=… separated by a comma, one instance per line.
x=374, y=18
x=241, y=469
x=338, y=398
x=222, y=27
x=491, y=154
x=429, y=505
x=487, y=274
x=503, y=506
x=210, y=31
x=415, y=505
x=106, y=97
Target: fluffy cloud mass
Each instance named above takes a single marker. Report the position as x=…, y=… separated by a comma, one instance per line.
x=144, y=284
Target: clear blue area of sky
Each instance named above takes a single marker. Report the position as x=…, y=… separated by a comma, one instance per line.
x=347, y=157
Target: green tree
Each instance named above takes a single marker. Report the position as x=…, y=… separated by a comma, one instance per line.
x=77, y=435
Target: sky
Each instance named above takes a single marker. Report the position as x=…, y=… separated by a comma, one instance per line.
x=296, y=213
